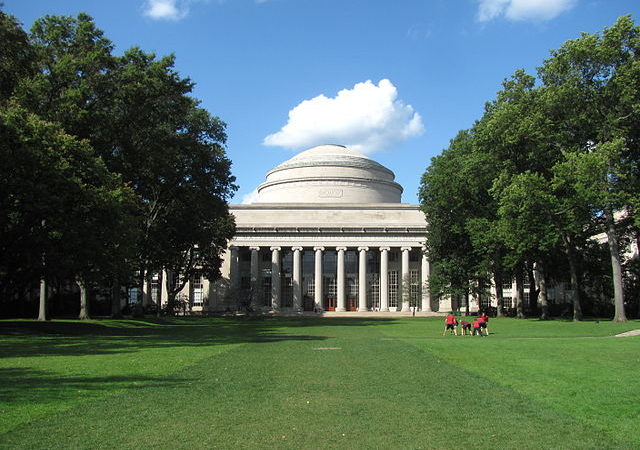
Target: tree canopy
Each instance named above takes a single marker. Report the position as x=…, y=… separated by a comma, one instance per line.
x=113, y=169
x=553, y=163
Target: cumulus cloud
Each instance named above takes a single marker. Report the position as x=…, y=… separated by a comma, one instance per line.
x=367, y=118
x=251, y=197
x=537, y=10
x=174, y=10
x=165, y=9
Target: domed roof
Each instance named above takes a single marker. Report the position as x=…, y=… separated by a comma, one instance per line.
x=330, y=174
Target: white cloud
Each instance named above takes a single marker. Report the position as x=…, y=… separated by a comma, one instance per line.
x=175, y=9
x=537, y=10
x=165, y=9
x=251, y=197
x=367, y=118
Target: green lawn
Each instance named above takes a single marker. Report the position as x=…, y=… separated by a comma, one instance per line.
x=317, y=383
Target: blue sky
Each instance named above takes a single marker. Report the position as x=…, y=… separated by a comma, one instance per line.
x=393, y=79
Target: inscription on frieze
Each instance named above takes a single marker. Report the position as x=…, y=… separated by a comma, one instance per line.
x=330, y=193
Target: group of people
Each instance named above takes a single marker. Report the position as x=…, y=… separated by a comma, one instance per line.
x=480, y=325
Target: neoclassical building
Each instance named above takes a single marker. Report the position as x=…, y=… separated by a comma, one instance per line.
x=327, y=233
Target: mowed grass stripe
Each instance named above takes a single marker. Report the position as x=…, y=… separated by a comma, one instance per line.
x=279, y=391
x=576, y=368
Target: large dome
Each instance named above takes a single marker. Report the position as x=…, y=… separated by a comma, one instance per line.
x=330, y=174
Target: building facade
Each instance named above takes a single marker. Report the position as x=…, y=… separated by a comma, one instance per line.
x=328, y=233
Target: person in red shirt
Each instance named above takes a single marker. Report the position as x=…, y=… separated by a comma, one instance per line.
x=485, y=323
x=451, y=323
x=466, y=326
x=477, y=330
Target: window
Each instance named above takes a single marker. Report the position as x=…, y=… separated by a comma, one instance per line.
x=415, y=255
x=133, y=294
x=332, y=287
x=197, y=290
x=507, y=302
x=266, y=290
x=393, y=289
x=414, y=292
x=156, y=288
x=311, y=287
x=507, y=284
x=374, y=291
x=352, y=287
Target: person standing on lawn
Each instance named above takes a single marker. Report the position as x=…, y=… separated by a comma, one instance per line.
x=485, y=323
x=466, y=327
x=477, y=330
x=451, y=323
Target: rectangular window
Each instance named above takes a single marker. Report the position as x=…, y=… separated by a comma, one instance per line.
x=132, y=295
x=156, y=288
x=197, y=290
x=266, y=290
x=393, y=289
x=374, y=291
x=507, y=284
x=507, y=302
x=414, y=293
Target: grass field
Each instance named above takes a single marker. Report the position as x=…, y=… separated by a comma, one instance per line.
x=317, y=383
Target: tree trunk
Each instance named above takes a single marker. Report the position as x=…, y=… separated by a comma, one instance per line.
x=466, y=303
x=541, y=279
x=616, y=266
x=84, y=303
x=497, y=279
x=138, y=308
x=520, y=293
x=533, y=293
x=116, y=311
x=573, y=269
x=42, y=311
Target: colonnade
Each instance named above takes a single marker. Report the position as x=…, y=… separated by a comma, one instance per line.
x=276, y=290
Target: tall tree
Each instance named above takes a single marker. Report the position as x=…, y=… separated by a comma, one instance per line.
x=595, y=81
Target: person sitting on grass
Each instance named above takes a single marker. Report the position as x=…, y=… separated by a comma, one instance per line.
x=477, y=330
x=466, y=327
x=451, y=323
x=485, y=323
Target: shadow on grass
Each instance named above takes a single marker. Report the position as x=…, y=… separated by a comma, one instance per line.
x=21, y=385
x=24, y=338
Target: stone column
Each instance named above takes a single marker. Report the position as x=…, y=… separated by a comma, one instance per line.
x=275, y=278
x=212, y=302
x=255, y=275
x=384, y=279
x=406, y=279
x=341, y=276
x=424, y=282
x=146, y=289
x=297, y=278
x=362, y=279
x=234, y=269
x=164, y=292
x=318, y=279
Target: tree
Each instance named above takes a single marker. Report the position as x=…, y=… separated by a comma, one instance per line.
x=595, y=84
x=52, y=189
x=137, y=114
